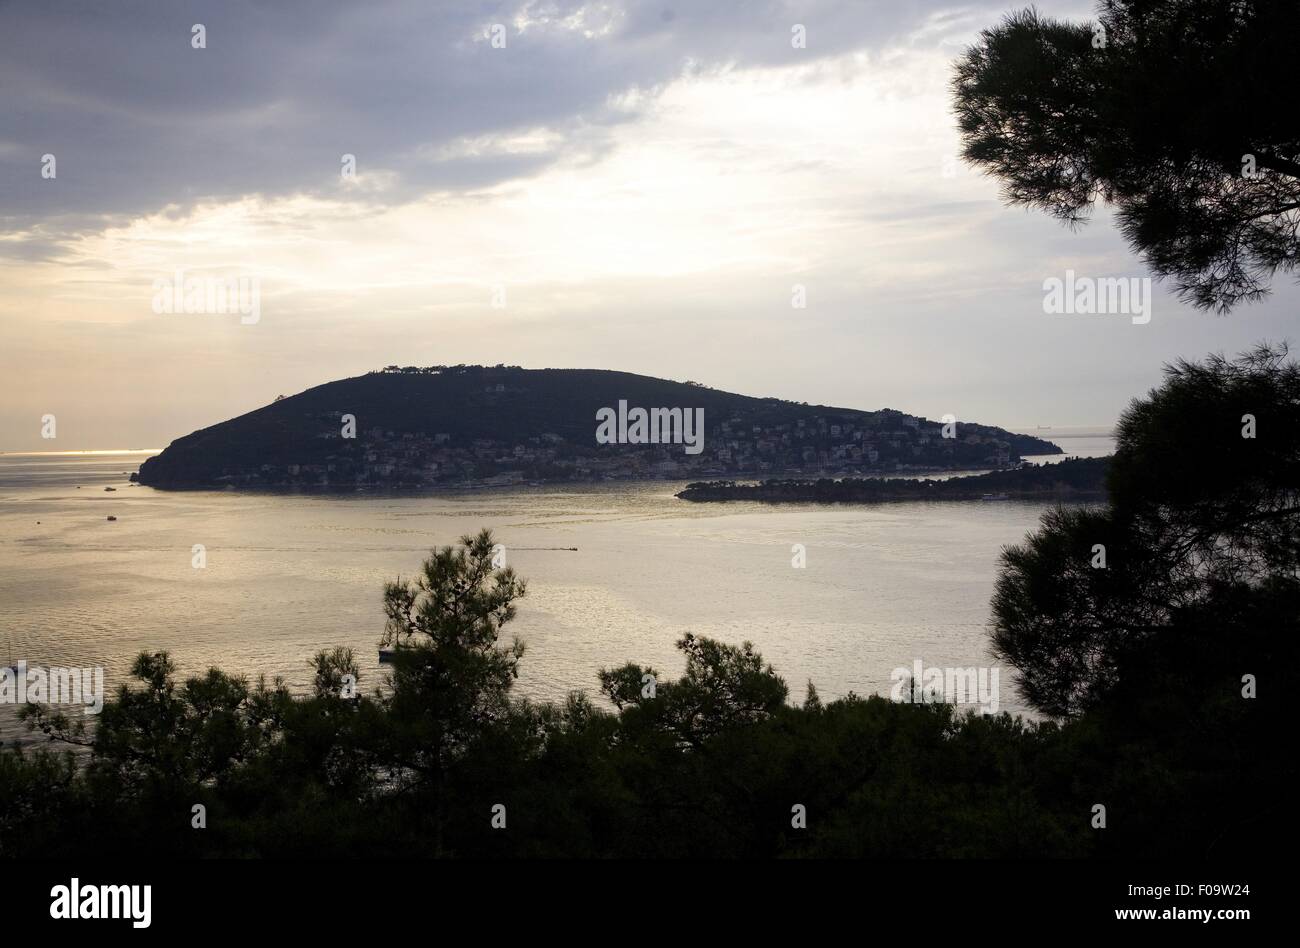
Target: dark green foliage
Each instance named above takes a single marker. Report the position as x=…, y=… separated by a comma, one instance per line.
x=1155, y=108
x=1200, y=515
x=878, y=779
x=723, y=688
x=1195, y=487
x=1062, y=621
x=1200, y=595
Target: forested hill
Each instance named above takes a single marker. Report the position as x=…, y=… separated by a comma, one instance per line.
x=475, y=425
x=1075, y=479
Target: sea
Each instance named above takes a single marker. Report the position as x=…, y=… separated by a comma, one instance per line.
x=616, y=572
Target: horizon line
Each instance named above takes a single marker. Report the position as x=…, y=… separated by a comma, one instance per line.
x=53, y=454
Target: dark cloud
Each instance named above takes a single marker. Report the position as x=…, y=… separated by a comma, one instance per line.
x=139, y=120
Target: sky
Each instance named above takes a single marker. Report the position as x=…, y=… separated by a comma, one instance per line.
x=647, y=187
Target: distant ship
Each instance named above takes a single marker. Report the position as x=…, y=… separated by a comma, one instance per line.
x=995, y=497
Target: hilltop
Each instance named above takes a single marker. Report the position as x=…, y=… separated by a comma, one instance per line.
x=470, y=425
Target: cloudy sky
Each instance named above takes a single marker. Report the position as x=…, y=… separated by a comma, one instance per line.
x=641, y=184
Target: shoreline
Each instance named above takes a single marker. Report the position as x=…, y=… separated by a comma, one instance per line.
x=1076, y=479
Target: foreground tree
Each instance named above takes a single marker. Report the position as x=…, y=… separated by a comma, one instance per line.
x=1204, y=520
x=451, y=677
x=1177, y=112
x=161, y=741
x=724, y=687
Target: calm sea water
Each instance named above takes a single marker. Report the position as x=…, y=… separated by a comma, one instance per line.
x=1076, y=442
x=287, y=575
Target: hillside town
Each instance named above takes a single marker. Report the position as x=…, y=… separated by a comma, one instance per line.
x=817, y=446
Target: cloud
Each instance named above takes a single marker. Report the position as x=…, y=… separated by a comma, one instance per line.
x=139, y=120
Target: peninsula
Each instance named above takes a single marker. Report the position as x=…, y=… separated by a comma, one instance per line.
x=1074, y=479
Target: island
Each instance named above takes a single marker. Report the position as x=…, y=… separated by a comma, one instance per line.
x=1074, y=479
x=474, y=426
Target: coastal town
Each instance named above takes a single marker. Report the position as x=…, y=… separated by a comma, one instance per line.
x=814, y=446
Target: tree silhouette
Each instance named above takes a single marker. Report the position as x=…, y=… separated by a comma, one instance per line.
x=723, y=687
x=451, y=679
x=1177, y=112
x=1204, y=520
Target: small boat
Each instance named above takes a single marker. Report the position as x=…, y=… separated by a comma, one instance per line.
x=990, y=497
x=110, y=488
x=386, y=656
x=111, y=517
